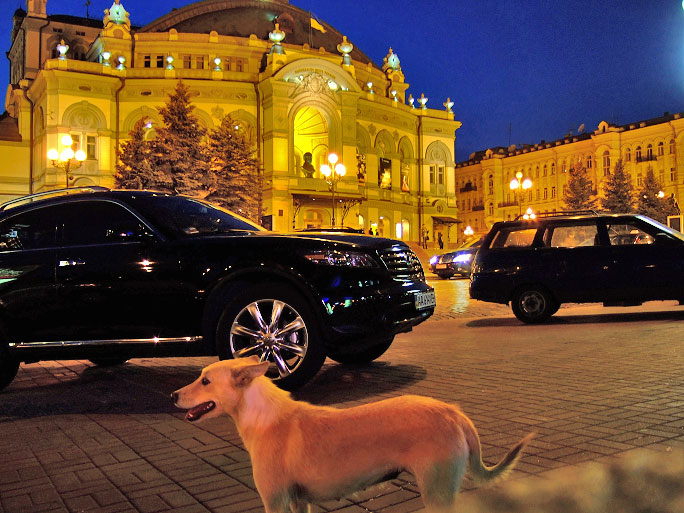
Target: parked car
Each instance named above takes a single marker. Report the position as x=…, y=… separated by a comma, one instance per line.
x=617, y=259
x=458, y=261
x=110, y=275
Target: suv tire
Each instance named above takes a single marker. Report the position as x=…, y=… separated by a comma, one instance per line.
x=8, y=366
x=108, y=361
x=533, y=304
x=366, y=356
x=253, y=323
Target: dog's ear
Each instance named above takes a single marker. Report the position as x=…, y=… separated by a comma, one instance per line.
x=243, y=376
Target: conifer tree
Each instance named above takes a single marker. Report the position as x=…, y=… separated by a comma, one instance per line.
x=651, y=201
x=235, y=170
x=618, y=191
x=579, y=191
x=134, y=169
x=178, y=150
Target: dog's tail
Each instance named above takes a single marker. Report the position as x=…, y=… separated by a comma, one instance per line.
x=478, y=470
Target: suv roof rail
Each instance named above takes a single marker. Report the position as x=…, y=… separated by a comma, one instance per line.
x=561, y=213
x=55, y=192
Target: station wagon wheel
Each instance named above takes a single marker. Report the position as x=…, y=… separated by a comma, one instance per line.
x=533, y=304
x=276, y=325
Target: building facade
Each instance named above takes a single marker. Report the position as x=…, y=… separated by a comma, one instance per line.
x=483, y=183
x=297, y=88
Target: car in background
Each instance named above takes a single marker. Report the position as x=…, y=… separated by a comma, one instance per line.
x=105, y=275
x=616, y=259
x=457, y=262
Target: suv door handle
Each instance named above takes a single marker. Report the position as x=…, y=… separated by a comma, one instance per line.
x=71, y=262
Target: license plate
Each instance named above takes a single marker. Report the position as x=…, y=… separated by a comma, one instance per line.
x=425, y=300
x=441, y=266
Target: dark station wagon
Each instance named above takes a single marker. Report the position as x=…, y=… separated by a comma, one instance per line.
x=617, y=259
x=109, y=275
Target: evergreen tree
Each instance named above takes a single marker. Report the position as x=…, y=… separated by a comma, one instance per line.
x=134, y=169
x=652, y=202
x=618, y=191
x=579, y=191
x=178, y=151
x=235, y=170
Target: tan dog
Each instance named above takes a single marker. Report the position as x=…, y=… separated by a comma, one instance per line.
x=303, y=453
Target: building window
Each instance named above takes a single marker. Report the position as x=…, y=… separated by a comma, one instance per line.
x=544, y=169
x=199, y=61
x=640, y=180
x=553, y=168
x=160, y=61
x=606, y=163
x=536, y=172
x=147, y=61
x=546, y=194
x=240, y=65
x=553, y=192
x=661, y=149
x=590, y=161
x=537, y=194
x=491, y=209
x=187, y=61
x=672, y=174
x=490, y=185
x=628, y=155
x=440, y=175
x=87, y=143
x=637, y=154
x=649, y=152
x=433, y=174
x=672, y=146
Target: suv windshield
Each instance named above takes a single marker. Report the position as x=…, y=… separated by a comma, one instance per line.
x=187, y=217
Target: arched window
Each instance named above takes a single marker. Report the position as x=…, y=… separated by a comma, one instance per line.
x=536, y=172
x=553, y=168
x=649, y=152
x=637, y=154
x=628, y=155
x=590, y=161
x=606, y=163
x=490, y=185
x=490, y=209
x=672, y=146
x=544, y=169
x=661, y=149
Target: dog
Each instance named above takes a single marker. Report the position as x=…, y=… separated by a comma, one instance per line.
x=302, y=453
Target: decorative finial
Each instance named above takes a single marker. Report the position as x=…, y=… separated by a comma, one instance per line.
x=411, y=100
x=169, y=62
x=391, y=62
x=276, y=37
x=345, y=48
x=423, y=101
x=117, y=15
x=369, y=85
x=122, y=62
x=217, y=64
x=448, y=104
x=105, y=58
x=393, y=92
x=62, y=48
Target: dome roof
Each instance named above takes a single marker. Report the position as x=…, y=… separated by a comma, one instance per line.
x=242, y=18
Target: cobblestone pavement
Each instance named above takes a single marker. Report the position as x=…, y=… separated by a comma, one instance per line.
x=592, y=383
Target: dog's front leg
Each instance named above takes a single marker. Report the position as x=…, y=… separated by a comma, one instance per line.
x=285, y=503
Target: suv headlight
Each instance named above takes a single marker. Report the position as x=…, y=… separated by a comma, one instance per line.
x=434, y=259
x=341, y=258
x=463, y=258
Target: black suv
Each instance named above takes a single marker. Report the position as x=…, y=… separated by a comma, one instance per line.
x=109, y=275
x=616, y=259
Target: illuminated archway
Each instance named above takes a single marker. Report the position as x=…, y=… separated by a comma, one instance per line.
x=310, y=133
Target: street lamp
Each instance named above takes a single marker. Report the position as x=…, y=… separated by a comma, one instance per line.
x=333, y=171
x=518, y=185
x=67, y=159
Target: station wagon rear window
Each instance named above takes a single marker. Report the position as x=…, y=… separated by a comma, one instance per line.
x=514, y=237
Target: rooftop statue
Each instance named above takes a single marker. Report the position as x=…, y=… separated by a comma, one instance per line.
x=116, y=14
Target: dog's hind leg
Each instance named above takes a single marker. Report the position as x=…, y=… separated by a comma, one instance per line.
x=300, y=507
x=439, y=484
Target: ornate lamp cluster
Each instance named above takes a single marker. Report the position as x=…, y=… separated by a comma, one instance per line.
x=333, y=171
x=67, y=159
x=518, y=185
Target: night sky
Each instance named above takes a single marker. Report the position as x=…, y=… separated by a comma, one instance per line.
x=517, y=71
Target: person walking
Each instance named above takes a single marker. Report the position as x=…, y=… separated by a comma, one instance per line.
x=440, y=241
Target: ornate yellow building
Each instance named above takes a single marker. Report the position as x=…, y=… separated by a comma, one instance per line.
x=483, y=182
x=294, y=85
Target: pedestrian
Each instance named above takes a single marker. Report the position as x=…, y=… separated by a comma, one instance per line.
x=440, y=241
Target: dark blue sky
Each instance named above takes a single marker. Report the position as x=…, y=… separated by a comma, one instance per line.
x=517, y=71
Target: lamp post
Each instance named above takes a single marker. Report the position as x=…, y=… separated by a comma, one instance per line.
x=518, y=185
x=333, y=171
x=66, y=159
